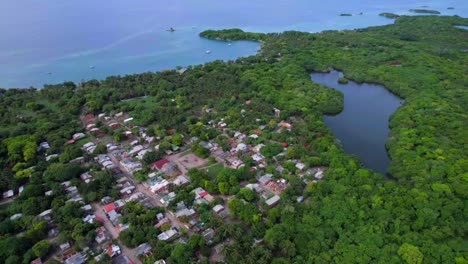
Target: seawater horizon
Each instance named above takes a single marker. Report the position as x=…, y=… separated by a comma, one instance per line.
x=56, y=41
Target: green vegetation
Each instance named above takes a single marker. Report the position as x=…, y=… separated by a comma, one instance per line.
x=425, y=11
x=342, y=80
x=389, y=15
x=352, y=216
x=231, y=34
x=346, y=14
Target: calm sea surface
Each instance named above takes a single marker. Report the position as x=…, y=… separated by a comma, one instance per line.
x=55, y=40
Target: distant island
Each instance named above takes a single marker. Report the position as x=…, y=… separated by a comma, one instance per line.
x=450, y=8
x=346, y=14
x=231, y=34
x=389, y=15
x=425, y=11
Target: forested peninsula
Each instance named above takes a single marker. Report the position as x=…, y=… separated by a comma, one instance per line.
x=351, y=215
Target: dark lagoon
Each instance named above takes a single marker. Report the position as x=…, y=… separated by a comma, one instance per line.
x=362, y=126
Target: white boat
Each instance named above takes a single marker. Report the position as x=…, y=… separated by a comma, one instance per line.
x=229, y=44
x=208, y=51
x=91, y=67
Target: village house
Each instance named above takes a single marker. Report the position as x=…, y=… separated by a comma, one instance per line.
x=135, y=150
x=300, y=166
x=234, y=162
x=202, y=196
x=8, y=194
x=128, y=120
x=121, y=227
x=114, y=125
x=169, y=235
x=254, y=187
x=263, y=180
x=52, y=156
x=44, y=145
x=89, y=119
x=143, y=250
x=86, y=177
x=101, y=235
x=220, y=211
x=286, y=125
x=15, y=216
x=273, y=201
x=166, y=167
x=78, y=258
x=142, y=153
x=160, y=186
x=130, y=165
x=36, y=261
x=185, y=212
x=114, y=206
x=277, y=187
x=113, y=250
x=78, y=136
x=181, y=180
x=208, y=235
x=45, y=216
x=166, y=199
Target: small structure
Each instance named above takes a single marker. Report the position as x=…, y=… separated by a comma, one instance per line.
x=300, y=166
x=208, y=234
x=45, y=216
x=15, y=216
x=78, y=136
x=167, y=167
x=44, y=145
x=113, y=250
x=86, y=177
x=185, y=212
x=143, y=250
x=273, y=201
x=37, y=261
x=77, y=258
x=265, y=179
x=160, y=187
x=8, y=194
x=160, y=164
x=181, y=180
x=128, y=120
x=220, y=211
x=277, y=112
x=286, y=125
x=101, y=235
x=168, y=235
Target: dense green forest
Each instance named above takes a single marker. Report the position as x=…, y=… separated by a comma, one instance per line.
x=353, y=216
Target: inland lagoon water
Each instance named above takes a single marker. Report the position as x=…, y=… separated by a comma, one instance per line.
x=362, y=126
x=55, y=40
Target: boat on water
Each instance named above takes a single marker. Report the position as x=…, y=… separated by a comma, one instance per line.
x=208, y=51
x=91, y=67
x=171, y=29
x=229, y=44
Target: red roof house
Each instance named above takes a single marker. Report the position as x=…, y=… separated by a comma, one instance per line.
x=109, y=207
x=285, y=125
x=160, y=163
